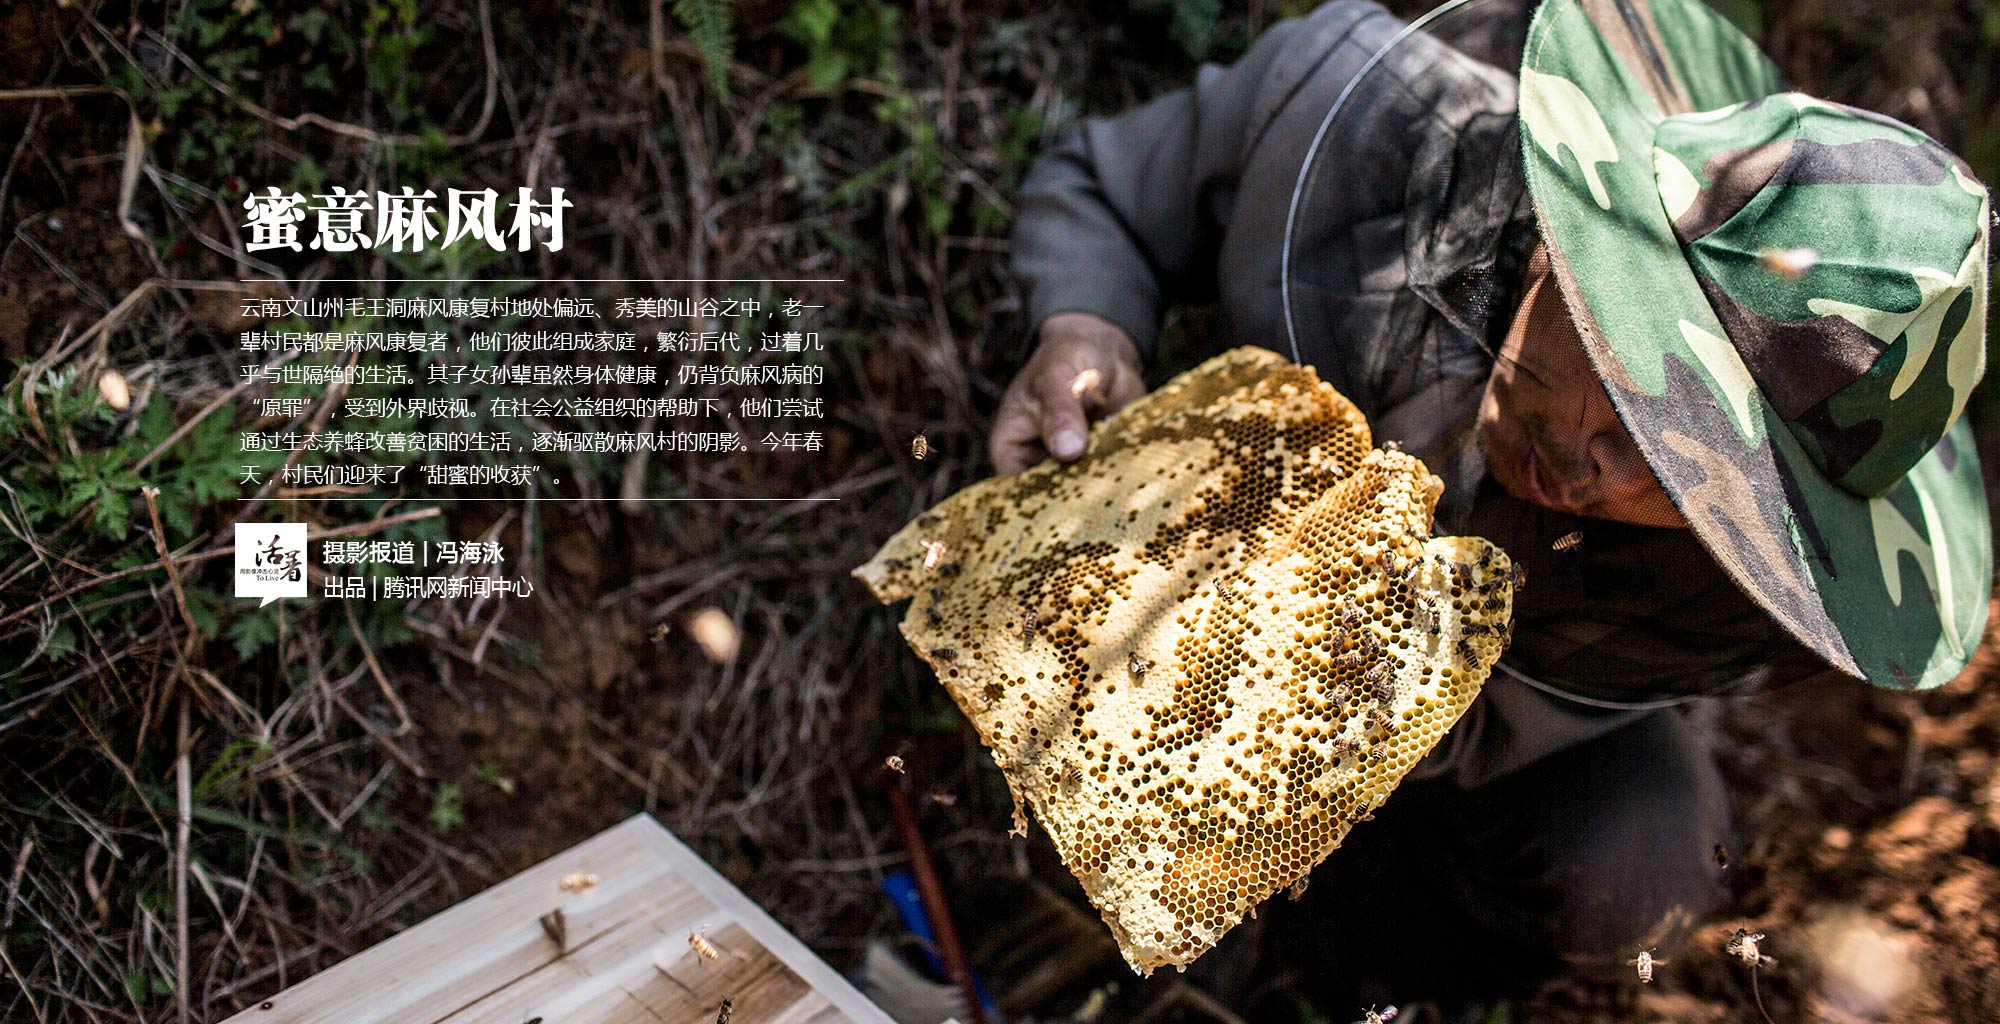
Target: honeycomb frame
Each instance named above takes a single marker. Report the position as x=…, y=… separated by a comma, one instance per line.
x=1206, y=649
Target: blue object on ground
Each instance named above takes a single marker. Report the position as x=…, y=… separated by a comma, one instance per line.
x=902, y=892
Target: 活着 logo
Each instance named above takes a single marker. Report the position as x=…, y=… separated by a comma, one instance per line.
x=270, y=560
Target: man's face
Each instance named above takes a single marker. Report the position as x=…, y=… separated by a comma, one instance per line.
x=1548, y=429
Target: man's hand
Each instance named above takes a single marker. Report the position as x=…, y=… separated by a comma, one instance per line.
x=1084, y=368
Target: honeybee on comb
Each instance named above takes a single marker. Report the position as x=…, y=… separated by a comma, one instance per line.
x=1426, y=617
x=1070, y=775
x=933, y=554
x=1380, y=686
x=1031, y=623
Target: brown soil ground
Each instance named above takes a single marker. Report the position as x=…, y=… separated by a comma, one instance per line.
x=1871, y=824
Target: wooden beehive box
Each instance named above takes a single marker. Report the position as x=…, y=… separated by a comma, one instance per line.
x=616, y=952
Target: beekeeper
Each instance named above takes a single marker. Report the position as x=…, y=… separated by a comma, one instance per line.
x=1608, y=278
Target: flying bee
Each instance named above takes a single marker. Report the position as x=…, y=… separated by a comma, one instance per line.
x=933, y=554
x=1392, y=446
x=1085, y=382
x=1721, y=857
x=702, y=947
x=894, y=762
x=1297, y=890
x=1568, y=542
x=723, y=1012
x=1743, y=946
x=1790, y=264
x=920, y=447
x=1374, y=1016
x=1644, y=964
x=1138, y=666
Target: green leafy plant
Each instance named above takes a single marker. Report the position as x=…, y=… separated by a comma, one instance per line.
x=708, y=26
x=1194, y=24
x=448, y=806
x=844, y=40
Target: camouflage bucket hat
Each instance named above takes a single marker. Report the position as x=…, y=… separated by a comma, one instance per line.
x=1786, y=300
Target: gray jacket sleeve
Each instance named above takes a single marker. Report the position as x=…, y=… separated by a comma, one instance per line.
x=1124, y=215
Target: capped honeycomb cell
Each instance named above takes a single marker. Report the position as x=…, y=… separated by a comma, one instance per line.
x=1206, y=649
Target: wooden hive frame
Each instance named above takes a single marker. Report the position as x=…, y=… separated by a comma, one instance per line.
x=615, y=952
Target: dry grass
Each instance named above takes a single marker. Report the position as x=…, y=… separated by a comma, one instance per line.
x=187, y=829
